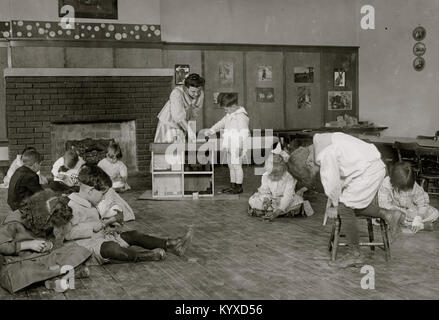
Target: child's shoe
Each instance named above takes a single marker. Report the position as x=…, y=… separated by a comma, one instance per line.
x=151, y=255
x=227, y=190
x=178, y=246
x=236, y=190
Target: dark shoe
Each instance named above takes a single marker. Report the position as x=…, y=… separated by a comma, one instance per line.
x=227, y=190
x=151, y=255
x=178, y=246
x=236, y=190
x=351, y=259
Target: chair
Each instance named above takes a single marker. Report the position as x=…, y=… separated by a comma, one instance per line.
x=407, y=152
x=428, y=168
x=334, y=241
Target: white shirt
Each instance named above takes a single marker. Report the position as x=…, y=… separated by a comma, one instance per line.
x=114, y=170
x=70, y=173
x=351, y=170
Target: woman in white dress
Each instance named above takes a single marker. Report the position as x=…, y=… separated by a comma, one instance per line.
x=184, y=104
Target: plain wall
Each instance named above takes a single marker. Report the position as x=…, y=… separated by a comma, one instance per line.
x=391, y=92
x=291, y=22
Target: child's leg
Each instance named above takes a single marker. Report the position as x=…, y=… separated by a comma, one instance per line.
x=176, y=246
x=113, y=251
x=136, y=238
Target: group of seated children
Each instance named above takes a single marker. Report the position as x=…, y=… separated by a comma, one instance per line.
x=90, y=217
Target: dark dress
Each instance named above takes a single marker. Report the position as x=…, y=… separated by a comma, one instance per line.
x=24, y=183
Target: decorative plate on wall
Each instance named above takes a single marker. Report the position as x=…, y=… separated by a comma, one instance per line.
x=419, y=33
x=419, y=49
x=419, y=63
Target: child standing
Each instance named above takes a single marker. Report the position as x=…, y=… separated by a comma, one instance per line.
x=65, y=171
x=400, y=194
x=17, y=163
x=115, y=168
x=236, y=131
x=91, y=232
x=25, y=181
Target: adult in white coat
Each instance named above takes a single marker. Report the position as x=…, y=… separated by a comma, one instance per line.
x=183, y=106
x=235, y=133
x=351, y=172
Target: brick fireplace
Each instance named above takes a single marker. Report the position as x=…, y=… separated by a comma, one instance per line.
x=46, y=106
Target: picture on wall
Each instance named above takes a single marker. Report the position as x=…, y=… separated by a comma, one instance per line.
x=303, y=97
x=303, y=74
x=265, y=73
x=226, y=72
x=265, y=95
x=181, y=71
x=93, y=9
x=216, y=94
x=339, y=78
x=339, y=100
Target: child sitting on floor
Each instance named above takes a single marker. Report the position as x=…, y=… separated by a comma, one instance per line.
x=236, y=131
x=91, y=232
x=25, y=181
x=276, y=195
x=17, y=163
x=65, y=171
x=115, y=168
x=400, y=193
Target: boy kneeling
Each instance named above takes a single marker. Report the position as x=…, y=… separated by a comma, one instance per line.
x=91, y=232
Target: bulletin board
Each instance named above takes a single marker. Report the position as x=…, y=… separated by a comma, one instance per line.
x=303, y=101
x=219, y=78
x=265, y=95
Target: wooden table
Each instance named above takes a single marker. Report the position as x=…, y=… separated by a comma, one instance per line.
x=389, y=140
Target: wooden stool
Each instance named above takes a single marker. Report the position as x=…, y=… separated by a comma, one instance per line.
x=334, y=241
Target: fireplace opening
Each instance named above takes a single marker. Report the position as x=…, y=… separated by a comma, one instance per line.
x=92, y=139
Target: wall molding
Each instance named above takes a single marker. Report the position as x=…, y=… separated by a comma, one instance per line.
x=87, y=72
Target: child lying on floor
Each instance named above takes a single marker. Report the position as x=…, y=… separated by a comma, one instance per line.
x=276, y=195
x=26, y=242
x=109, y=245
x=400, y=193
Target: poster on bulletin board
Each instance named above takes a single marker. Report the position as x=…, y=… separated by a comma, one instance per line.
x=265, y=73
x=225, y=72
x=265, y=95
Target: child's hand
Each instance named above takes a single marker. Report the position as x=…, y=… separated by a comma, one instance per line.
x=37, y=245
x=98, y=227
x=266, y=203
x=331, y=212
x=119, y=216
x=61, y=176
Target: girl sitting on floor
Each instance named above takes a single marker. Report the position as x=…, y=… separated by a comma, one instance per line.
x=400, y=193
x=276, y=195
x=115, y=168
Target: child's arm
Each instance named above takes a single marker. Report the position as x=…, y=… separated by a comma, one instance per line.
x=217, y=126
x=84, y=230
x=123, y=173
x=288, y=194
x=14, y=247
x=264, y=188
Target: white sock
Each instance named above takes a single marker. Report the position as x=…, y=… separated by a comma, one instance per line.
x=239, y=174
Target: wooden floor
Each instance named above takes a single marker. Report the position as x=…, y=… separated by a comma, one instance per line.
x=235, y=256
